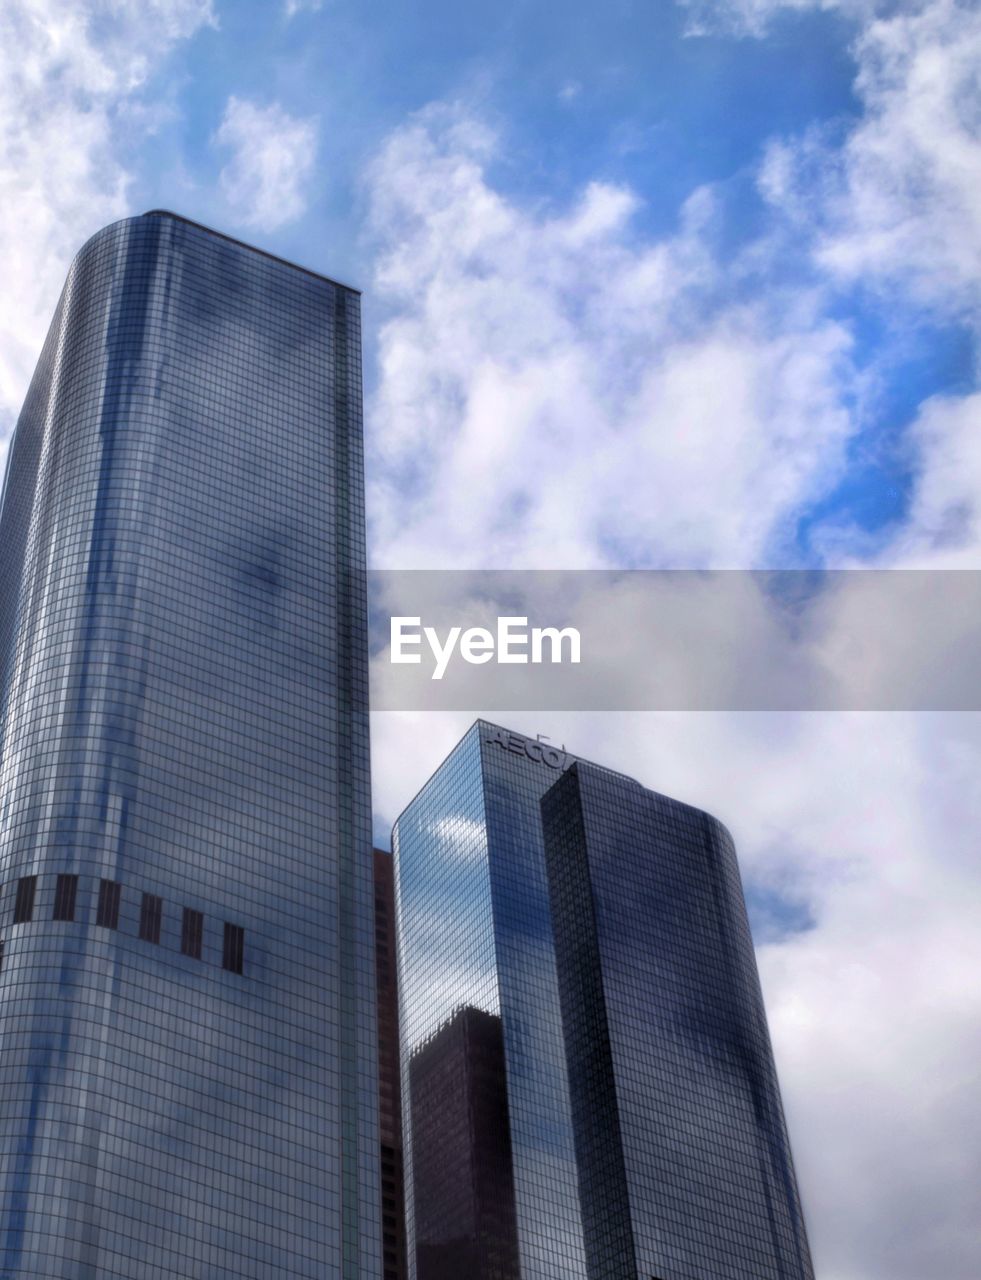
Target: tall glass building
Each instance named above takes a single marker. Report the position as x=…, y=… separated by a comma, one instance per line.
x=188, y=1080
x=598, y=931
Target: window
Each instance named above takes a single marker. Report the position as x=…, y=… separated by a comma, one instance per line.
x=234, y=954
x=65, y=890
x=108, y=911
x=192, y=933
x=24, y=906
x=1, y=955
x=151, y=911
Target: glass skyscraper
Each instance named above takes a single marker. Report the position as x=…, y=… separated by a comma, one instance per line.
x=188, y=1078
x=596, y=931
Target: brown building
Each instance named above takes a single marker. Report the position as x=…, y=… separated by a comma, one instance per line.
x=390, y=1097
x=461, y=1153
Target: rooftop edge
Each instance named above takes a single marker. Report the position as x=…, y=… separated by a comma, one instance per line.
x=317, y=275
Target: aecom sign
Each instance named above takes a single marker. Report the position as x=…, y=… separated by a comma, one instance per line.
x=539, y=752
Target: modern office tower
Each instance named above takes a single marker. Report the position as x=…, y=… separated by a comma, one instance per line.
x=188, y=1075
x=389, y=1090
x=600, y=928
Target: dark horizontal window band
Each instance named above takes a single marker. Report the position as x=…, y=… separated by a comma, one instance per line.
x=151, y=917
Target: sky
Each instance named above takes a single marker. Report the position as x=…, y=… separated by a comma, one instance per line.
x=646, y=284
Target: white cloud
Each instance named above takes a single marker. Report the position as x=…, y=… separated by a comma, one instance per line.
x=559, y=391
x=272, y=162
x=874, y=1013
x=875, y=1018
x=292, y=7
x=942, y=529
x=752, y=18
x=898, y=205
x=69, y=71
x=895, y=209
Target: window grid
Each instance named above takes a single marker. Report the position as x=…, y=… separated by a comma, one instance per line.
x=598, y=930
x=182, y=556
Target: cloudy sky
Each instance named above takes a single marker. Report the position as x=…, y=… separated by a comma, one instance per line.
x=646, y=285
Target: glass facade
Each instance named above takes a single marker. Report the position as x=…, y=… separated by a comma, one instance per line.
x=188, y=1078
x=601, y=927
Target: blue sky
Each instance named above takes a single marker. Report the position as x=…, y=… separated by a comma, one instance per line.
x=645, y=284
x=626, y=96
x=620, y=94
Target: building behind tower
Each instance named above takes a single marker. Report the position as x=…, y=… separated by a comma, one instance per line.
x=589, y=937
